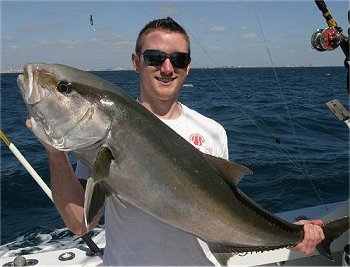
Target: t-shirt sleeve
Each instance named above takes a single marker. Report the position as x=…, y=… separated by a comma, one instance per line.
x=81, y=171
x=223, y=146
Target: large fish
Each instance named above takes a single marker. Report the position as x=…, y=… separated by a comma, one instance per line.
x=133, y=154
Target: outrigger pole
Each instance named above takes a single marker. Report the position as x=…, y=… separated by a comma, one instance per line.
x=86, y=238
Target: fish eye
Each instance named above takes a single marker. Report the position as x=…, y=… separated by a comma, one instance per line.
x=65, y=87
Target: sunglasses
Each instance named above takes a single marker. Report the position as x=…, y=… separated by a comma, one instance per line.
x=156, y=58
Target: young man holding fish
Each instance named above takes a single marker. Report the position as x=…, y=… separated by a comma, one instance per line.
x=133, y=237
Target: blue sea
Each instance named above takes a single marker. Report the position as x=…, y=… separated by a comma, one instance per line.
x=277, y=123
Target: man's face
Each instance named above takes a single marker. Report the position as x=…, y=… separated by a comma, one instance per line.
x=161, y=82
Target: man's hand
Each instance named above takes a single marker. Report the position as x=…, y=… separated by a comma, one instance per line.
x=313, y=235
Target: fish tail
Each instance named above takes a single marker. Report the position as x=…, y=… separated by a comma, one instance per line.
x=332, y=230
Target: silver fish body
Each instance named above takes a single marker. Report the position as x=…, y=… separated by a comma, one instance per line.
x=133, y=154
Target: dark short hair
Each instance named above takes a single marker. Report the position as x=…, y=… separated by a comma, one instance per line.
x=166, y=24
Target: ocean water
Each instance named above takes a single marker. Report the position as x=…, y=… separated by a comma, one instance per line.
x=277, y=123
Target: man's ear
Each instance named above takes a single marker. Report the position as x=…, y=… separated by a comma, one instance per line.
x=135, y=62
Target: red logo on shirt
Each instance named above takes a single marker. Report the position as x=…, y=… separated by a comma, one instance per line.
x=197, y=139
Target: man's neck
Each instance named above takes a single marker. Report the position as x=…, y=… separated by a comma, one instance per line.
x=169, y=109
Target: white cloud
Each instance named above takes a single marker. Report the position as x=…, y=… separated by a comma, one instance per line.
x=8, y=38
x=35, y=28
x=169, y=9
x=16, y=47
x=61, y=43
x=202, y=19
x=93, y=40
x=253, y=37
x=218, y=29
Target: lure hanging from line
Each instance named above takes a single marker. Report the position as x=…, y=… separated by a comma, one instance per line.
x=92, y=23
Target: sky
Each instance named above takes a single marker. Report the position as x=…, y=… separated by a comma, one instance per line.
x=223, y=33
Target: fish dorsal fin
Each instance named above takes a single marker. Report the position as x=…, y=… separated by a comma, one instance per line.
x=230, y=171
x=97, y=191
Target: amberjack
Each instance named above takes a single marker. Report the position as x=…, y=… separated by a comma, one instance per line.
x=133, y=154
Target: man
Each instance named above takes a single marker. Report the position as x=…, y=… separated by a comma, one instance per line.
x=162, y=59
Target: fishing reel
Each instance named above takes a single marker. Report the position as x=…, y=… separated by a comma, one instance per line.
x=330, y=38
x=326, y=39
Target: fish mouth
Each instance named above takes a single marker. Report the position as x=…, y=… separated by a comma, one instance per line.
x=32, y=91
x=36, y=84
x=65, y=125
x=25, y=86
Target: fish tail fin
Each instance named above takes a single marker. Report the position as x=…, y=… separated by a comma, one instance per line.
x=332, y=230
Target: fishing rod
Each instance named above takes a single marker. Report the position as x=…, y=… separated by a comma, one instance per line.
x=260, y=123
x=331, y=37
x=86, y=238
x=257, y=120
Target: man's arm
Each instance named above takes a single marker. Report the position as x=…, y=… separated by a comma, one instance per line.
x=68, y=192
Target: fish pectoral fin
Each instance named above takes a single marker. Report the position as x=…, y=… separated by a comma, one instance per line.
x=97, y=191
x=96, y=195
x=230, y=171
x=102, y=164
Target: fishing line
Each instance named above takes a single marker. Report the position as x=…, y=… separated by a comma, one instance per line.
x=302, y=168
x=297, y=142
x=250, y=117
x=298, y=163
x=268, y=129
x=282, y=150
x=257, y=116
x=279, y=85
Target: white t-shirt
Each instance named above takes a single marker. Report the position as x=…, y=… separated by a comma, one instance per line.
x=134, y=237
